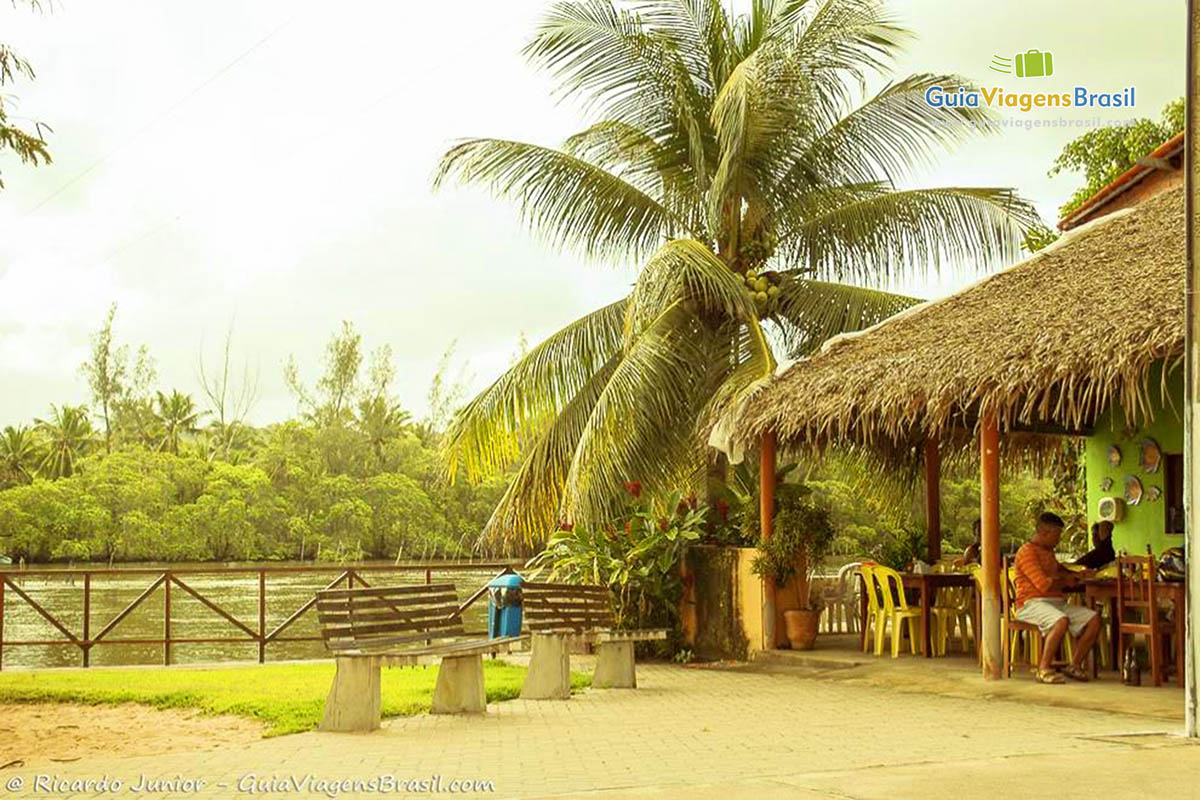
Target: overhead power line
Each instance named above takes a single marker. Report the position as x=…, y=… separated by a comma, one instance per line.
x=92, y=167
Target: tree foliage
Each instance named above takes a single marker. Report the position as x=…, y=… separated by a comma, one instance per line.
x=1103, y=154
x=27, y=142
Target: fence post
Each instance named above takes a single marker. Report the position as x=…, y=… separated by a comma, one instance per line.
x=167, y=620
x=262, y=616
x=428, y=576
x=87, y=619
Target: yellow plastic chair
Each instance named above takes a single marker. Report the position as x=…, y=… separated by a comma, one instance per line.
x=895, y=611
x=953, y=613
x=872, y=625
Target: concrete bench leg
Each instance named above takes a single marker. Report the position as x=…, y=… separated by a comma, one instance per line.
x=549, y=675
x=354, y=702
x=614, y=666
x=459, y=688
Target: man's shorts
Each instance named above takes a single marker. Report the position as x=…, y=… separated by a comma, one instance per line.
x=1045, y=612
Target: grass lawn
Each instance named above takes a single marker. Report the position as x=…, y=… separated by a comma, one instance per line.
x=289, y=698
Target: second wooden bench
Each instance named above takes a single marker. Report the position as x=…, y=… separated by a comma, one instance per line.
x=556, y=614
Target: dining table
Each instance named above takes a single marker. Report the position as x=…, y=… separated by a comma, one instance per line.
x=927, y=584
x=1099, y=592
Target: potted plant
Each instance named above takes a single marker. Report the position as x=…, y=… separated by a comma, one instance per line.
x=803, y=533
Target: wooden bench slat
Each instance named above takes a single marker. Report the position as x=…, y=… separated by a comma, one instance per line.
x=558, y=586
x=376, y=628
x=384, y=642
x=385, y=602
x=599, y=593
x=596, y=618
x=388, y=591
x=448, y=611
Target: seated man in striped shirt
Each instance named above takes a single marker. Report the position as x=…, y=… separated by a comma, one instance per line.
x=1040, y=601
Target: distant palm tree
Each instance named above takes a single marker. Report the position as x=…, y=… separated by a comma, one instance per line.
x=68, y=435
x=19, y=452
x=733, y=159
x=381, y=421
x=176, y=415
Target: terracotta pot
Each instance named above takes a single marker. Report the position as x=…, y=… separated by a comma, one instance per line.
x=801, y=628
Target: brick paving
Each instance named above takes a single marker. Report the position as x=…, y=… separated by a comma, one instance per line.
x=714, y=733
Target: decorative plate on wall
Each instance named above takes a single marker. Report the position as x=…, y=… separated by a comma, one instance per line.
x=1153, y=493
x=1151, y=456
x=1106, y=484
x=1133, y=490
x=1114, y=456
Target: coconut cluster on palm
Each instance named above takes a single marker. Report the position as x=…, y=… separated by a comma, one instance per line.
x=729, y=152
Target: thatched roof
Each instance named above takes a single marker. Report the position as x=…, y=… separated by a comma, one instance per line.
x=1051, y=341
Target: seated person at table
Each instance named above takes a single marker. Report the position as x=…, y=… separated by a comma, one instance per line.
x=1040, y=601
x=1102, y=553
x=971, y=554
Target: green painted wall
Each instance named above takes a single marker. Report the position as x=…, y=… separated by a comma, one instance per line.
x=1144, y=523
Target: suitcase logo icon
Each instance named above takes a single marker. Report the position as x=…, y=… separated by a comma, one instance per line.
x=1030, y=64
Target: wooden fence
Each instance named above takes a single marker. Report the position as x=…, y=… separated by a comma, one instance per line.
x=169, y=580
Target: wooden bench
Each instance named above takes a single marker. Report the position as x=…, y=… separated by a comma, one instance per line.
x=367, y=628
x=557, y=614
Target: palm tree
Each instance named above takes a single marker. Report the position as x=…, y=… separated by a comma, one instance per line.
x=381, y=421
x=67, y=435
x=736, y=162
x=19, y=452
x=176, y=415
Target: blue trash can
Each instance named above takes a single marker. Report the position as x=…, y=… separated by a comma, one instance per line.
x=504, y=605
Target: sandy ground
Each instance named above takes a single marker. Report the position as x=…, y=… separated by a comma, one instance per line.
x=35, y=734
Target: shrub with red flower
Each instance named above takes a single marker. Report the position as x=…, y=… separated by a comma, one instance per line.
x=634, y=488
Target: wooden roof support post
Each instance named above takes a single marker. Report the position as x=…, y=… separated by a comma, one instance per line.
x=1191, y=436
x=766, y=515
x=989, y=515
x=933, y=500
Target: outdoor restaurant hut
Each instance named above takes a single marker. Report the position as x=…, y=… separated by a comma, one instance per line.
x=1085, y=337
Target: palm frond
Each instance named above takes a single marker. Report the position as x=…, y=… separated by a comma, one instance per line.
x=486, y=436
x=643, y=425
x=608, y=57
x=685, y=270
x=888, y=135
x=746, y=360
x=700, y=31
x=812, y=312
x=663, y=172
x=529, y=509
x=571, y=202
x=870, y=233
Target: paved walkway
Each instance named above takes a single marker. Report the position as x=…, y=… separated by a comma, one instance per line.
x=718, y=733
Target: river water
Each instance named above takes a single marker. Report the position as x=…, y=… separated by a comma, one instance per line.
x=235, y=592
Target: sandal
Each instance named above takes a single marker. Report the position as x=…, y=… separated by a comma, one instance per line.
x=1049, y=676
x=1076, y=674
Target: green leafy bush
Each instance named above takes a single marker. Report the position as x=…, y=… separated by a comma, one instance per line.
x=803, y=531
x=638, y=557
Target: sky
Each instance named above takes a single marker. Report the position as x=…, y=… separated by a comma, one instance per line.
x=266, y=167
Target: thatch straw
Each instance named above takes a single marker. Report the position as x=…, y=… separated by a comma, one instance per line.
x=1052, y=341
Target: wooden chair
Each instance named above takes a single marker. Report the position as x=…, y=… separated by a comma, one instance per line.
x=369, y=627
x=1138, y=612
x=557, y=613
x=1011, y=628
